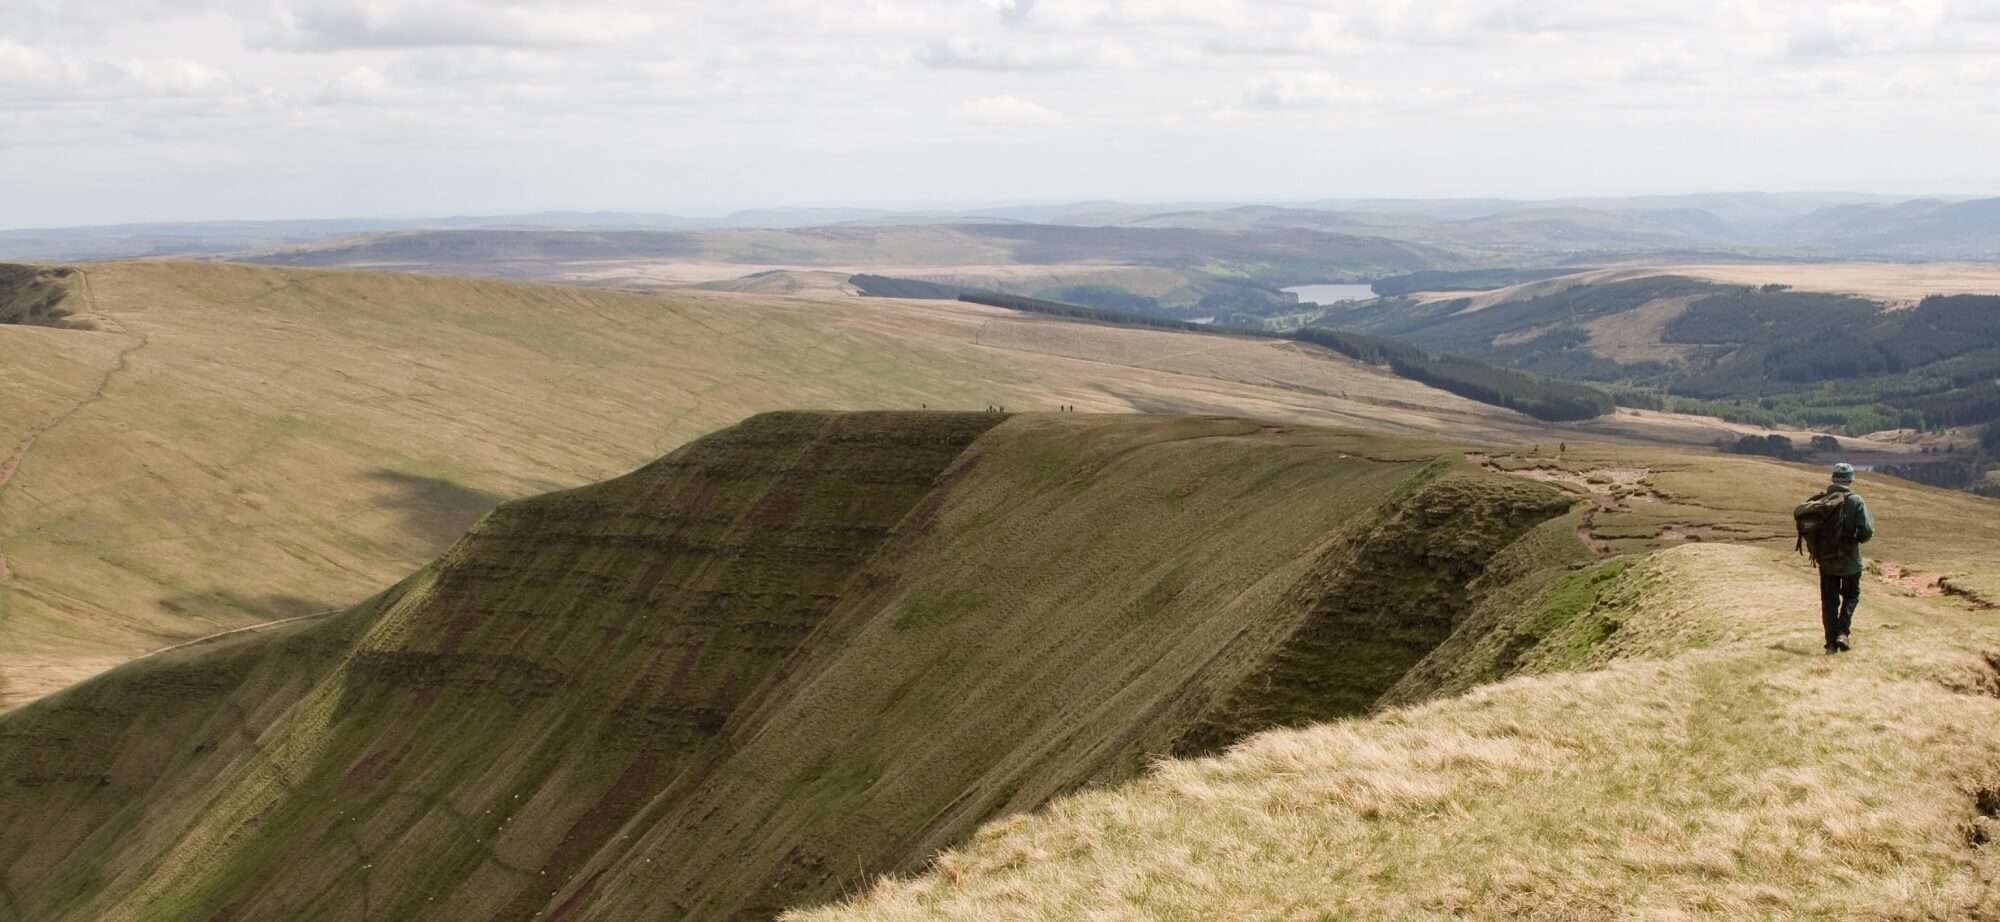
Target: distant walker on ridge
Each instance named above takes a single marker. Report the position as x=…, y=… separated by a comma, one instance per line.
x=1832, y=526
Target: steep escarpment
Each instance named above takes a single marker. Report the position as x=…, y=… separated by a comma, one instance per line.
x=33, y=295
x=1379, y=602
x=1713, y=766
x=790, y=656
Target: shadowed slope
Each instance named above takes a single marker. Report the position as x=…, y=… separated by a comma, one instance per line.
x=803, y=651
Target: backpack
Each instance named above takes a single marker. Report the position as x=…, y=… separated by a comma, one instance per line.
x=1822, y=524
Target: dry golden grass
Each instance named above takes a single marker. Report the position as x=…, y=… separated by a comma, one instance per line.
x=1637, y=335
x=802, y=651
x=1749, y=778
x=241, y=443
x=1899, y=284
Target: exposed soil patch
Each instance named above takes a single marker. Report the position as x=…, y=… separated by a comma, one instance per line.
x=1679, y=532
x=1911, y=581
x=1609, y=489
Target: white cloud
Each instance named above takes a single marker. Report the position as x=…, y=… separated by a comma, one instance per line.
x=1013, y=10
x=1301, y=90
x=335, y=25
x=357, y=86
x=1023, y=56
x=960, y=54
x=53, y=78
x=1005, y=110
x=1872, y=28
x=656, y=103
x=174, y=77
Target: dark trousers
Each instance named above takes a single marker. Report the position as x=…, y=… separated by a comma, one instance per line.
x=1837, y=597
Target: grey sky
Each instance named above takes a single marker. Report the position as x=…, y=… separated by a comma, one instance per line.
x=130, y=110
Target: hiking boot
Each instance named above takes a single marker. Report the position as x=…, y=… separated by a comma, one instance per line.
x=1840, y=643
x=1832, y=648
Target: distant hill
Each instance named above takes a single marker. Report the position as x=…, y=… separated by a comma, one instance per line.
x=1277, y=256
x=1767, y=354
x=1924, y=229
x=1750, y=223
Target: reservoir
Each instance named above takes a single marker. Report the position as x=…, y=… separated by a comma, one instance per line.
x=1331, y=294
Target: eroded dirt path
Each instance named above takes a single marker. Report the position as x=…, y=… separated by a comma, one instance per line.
x=1629, y=513
x=1608, y=488
x=218, y=635
x=12, y=466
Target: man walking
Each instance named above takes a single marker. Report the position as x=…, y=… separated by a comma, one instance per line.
x=1840, y=567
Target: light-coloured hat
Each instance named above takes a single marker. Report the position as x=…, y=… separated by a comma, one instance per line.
x=1843, y=473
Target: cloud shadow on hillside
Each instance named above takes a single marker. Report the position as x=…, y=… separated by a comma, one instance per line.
x=1167, y=406
x=265, y=608
x=434, y=510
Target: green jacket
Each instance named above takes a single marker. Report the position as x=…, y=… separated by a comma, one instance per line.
x=1860, y=528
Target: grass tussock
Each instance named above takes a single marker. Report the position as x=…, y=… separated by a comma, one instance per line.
x=1748, y=778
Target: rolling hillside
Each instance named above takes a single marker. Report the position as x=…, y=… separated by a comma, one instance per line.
x=1714, y=768
x=1766, y=353
x=1664, y=741
x=801, y=651
x=1175, y=271
x=815, y=648
x=234, y=444
x=1274, y=255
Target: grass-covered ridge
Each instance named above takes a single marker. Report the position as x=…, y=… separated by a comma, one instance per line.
x=1744, y=777
x=239, y=443
x=793, y=655
x=815, y=649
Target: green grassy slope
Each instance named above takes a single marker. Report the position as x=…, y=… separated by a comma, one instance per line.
x=1652, y=735
x=792, y=655
x=235, y=443
x=1744, y=776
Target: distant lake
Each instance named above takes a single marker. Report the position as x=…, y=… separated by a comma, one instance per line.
x=1331, y=294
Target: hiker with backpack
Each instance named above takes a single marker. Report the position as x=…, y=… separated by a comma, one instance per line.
x=1832, y=526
